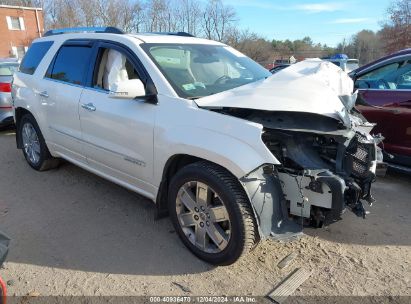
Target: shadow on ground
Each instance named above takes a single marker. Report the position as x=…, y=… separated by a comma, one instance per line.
x=389, y=220
x=69, y=218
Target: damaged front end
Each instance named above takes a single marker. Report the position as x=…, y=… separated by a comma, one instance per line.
x=325, y=169
x=328, y=159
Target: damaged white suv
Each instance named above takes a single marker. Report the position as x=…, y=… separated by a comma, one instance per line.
x=231, y=153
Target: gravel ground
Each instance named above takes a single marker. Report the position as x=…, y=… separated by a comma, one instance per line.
x=77, y=234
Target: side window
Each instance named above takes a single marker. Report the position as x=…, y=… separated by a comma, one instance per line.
x=381, y=72
x=378, y=79
x=70, y=65
x=112, y=67
x=402, y=78
x=394, y=76
x=35, y=54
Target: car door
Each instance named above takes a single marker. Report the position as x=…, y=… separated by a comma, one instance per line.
x=385, y=98
x=60, y=91
x=118, y=133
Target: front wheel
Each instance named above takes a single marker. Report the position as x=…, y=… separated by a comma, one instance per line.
x=211, y=213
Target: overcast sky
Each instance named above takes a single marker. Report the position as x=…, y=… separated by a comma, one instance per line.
x=324, y=21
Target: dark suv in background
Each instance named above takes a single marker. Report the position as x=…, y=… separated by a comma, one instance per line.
x=385, y=98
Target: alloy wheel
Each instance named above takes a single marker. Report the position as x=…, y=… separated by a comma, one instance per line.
x=203, y=217
x=31, y=143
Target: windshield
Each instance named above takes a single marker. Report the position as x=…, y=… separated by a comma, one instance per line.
x=7, y=69
x=198, y=70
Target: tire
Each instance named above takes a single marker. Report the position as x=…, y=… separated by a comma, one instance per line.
x=225, y=241
x=34, y=147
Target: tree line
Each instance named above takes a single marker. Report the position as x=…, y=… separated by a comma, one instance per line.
x=395, y=34
x=213, y=19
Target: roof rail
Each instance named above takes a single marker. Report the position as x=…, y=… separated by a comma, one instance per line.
x=184, y=34
x=108, y=29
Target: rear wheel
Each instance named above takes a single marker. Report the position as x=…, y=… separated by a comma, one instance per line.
x=34, y=146
x=211, y=213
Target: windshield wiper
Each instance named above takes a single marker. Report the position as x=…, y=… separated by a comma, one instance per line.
x=194, y=97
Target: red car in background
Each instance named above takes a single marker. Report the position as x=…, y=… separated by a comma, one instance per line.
x=384, y=97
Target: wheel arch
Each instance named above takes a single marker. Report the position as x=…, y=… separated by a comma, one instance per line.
x=173, y=164
x=171, y=167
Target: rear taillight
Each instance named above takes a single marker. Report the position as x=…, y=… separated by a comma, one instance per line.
x=5, y=87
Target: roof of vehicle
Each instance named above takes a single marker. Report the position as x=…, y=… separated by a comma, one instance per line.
x=112, y=33
x=382, y=59
x=165, y=38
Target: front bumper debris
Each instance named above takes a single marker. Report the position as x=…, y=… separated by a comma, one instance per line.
x=269, y=206
x=320, y=177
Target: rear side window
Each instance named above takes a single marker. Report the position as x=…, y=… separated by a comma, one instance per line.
x=34, y=56
x=70, y=64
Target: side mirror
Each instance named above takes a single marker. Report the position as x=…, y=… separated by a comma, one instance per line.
x=128, y=89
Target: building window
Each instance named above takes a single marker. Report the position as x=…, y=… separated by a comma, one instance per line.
x=15, y=23
x=19, y=51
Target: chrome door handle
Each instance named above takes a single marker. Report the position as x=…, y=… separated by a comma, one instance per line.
x=89, y=107
x=44, y=94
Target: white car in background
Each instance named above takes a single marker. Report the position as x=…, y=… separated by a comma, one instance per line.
x=231, y=153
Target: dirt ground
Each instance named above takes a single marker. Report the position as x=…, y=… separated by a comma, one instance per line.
x=77, y=234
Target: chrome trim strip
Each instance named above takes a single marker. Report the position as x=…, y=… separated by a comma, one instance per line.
x=135, y=161
x=125, y=157
x=386, y=90
x=97, y=90
x=64, y=133
x=115, y=180
x=64, y=82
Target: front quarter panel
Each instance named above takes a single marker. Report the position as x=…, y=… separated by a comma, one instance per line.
x=183, y=128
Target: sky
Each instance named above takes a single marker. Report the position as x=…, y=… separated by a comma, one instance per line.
x=324, y=21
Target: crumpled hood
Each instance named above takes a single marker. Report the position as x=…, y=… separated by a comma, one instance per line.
x=312, y=86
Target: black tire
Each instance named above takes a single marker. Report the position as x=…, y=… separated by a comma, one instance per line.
x=243, y=236
x=45, y=161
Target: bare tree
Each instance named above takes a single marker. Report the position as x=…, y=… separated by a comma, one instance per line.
x=396, y=32
x=139, y=16
x=155, y=11
x=189, y=15
x=62, y=13
x=249, y=43
x=89, y=13
x=366, y=46
x=217, y=19
x=27, y=3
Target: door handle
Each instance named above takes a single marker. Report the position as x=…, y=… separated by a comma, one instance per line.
x=44, y=94
x=89, y=107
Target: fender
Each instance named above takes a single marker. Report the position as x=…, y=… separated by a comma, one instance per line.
x=237, y=156
x=233, y=143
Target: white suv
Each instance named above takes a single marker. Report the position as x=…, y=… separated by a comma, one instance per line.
x=231, y=153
